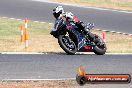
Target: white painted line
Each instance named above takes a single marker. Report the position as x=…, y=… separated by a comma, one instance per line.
x=98, y=29
x=18, y=19
x=124, y=33
x=12, y=18
x=75, y=5
x=92, y=53
x=50, y=23
x=43, y=22
x=21, y=53
x=113, y=31
x=118, y=53
x=119, y=32
x=89, y=53
x=4, y=17
x=36, y=21
x=105, y=30
x=38, y=79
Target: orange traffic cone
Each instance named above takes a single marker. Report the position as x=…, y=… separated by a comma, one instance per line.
x=104, y=36
x=26, y=38
x=26, y=33
x=22, y=33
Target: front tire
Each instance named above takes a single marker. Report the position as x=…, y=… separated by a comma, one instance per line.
x=99, y=51
x=100, y=47
x=68, y=46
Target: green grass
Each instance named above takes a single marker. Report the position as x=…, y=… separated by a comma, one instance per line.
x=10, y=34
x=10, y=27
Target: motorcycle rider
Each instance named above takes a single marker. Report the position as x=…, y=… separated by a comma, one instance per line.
x=59, y=12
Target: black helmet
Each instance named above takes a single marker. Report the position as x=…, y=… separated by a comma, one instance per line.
x=57, y=11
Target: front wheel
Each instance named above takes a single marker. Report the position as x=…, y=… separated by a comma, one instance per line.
x=67, y=44
x=100, y=46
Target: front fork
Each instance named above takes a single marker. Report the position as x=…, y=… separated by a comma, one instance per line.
x=93, y=39
x=91, y=36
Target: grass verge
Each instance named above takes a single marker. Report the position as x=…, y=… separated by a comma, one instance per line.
x=41, y=41
x=114, y=4
x=39, y=38
x=39, y=84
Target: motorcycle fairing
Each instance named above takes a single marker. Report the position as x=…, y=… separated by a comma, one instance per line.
x=80, y=38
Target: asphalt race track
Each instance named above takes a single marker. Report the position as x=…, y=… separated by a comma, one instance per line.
x=42, y=11
x=57, y=66
x=60, y=66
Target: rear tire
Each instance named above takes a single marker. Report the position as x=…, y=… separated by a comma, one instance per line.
x=64, y=47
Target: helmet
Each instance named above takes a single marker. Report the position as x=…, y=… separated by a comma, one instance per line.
x=57, y=11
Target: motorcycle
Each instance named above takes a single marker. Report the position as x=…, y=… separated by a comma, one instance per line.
x=72, y=41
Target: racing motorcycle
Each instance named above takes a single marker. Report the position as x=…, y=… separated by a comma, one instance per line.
x=72, y=41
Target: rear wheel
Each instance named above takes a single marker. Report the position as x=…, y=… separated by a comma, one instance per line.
x=67, y=44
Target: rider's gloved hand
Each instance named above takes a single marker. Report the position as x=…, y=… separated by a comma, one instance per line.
x=81, y=26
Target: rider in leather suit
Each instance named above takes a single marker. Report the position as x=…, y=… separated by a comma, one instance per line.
x=58, y=12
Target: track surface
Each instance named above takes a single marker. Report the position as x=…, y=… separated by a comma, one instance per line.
x=52, y=66
x=57, y=66
x=42, y=11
